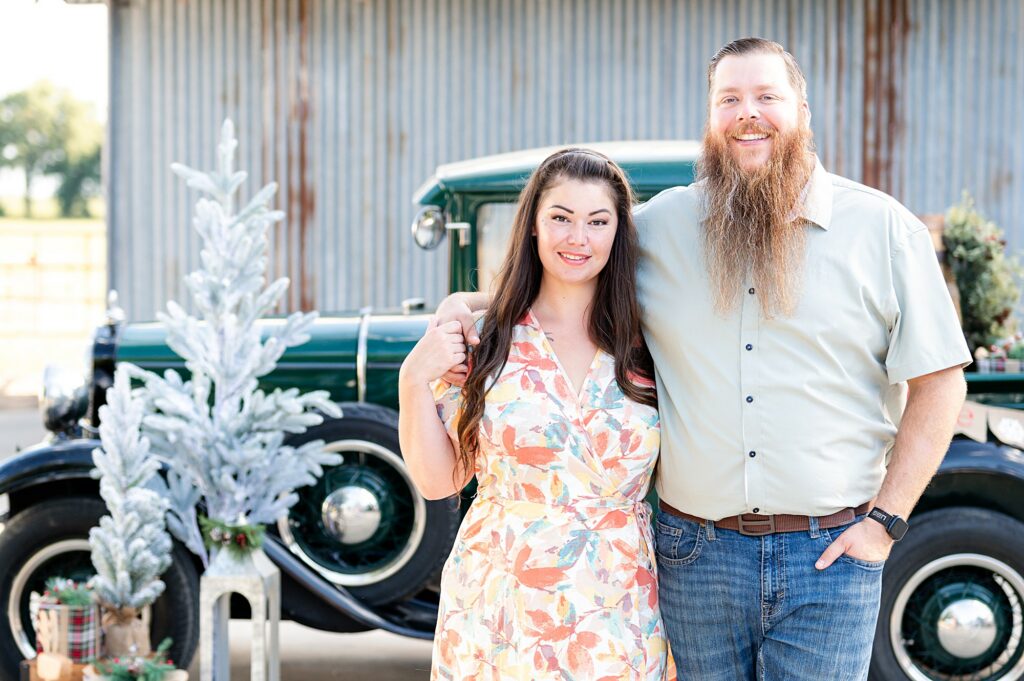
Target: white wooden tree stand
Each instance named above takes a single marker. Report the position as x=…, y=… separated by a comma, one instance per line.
x=257, y=579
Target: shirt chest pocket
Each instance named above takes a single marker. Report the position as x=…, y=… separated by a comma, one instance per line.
x=846, y=293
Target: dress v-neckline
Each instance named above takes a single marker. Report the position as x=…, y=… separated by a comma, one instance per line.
x=565, y=374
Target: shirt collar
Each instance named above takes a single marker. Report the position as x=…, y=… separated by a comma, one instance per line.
x=817, y=197
x=530, y=320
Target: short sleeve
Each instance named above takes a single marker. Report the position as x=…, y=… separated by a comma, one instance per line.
x=448, y=398
x=926, y=336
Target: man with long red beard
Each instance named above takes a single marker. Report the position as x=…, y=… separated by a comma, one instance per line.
x=784, y=307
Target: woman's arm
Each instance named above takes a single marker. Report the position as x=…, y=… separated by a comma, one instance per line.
x=428, y=451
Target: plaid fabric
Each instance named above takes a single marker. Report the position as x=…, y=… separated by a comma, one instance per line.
x=78, y=631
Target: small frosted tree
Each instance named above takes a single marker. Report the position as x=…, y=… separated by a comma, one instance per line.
x=130, y=547
x=220, y=435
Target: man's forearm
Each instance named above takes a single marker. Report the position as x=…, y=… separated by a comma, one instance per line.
x=476, y=300
x=933, y=404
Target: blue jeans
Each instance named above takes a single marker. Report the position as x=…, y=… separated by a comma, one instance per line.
x=740, y=608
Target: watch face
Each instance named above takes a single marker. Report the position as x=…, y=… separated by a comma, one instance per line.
x=898, y=528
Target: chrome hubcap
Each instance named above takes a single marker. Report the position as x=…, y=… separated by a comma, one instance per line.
x=351, y=514
x=967, y=628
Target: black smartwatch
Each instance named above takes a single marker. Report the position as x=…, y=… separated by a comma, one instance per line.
x=894, y=525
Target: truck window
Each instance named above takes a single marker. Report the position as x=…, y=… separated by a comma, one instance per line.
x=493, y=226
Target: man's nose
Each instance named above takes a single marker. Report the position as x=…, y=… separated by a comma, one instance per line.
x=748, y=110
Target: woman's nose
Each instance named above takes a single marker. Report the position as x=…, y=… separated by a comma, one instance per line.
x=578, y=233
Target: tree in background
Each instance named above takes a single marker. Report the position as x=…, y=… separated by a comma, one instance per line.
x=985, y=276
x=44, y=131
x=221, y=435
x=79, y=182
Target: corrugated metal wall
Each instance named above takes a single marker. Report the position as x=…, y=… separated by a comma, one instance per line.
x=350, y=104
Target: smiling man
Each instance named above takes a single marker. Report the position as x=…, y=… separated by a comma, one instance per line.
x=784, y=307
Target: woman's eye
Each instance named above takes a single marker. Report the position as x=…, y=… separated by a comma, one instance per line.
x=560, y=218
x=599, y=223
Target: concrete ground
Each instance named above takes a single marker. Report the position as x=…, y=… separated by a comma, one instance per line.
x=306, y=654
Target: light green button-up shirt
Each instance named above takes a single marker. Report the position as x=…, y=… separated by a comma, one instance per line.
x=788, y=415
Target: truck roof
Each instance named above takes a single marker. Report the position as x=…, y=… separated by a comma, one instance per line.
x=651, y=166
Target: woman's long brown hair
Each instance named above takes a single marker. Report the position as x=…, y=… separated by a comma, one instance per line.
x=615, y=312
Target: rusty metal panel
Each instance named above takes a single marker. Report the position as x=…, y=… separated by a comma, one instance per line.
x=350, y=104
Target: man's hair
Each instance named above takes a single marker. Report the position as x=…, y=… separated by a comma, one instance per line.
x=761, y=45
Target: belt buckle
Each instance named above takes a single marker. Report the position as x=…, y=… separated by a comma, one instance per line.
x=764, y=524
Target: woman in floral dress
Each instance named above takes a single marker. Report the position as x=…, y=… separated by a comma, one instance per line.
x=552, y=575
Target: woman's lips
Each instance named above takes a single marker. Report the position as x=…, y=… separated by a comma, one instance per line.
x=574, y=259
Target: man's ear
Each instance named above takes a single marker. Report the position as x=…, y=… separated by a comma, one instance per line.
x=806, y=110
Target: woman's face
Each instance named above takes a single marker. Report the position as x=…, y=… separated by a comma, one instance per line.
x=575, y=229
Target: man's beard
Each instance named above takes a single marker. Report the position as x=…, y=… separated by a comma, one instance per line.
x=749, y=220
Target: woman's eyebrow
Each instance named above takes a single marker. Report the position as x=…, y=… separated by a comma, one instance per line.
x=569, y=210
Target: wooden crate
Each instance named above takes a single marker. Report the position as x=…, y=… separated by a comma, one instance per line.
x=28, y=672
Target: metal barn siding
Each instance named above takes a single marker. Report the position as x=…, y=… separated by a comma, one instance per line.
x=350, y=104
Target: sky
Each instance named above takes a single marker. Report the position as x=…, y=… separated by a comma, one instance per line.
x=63, y=43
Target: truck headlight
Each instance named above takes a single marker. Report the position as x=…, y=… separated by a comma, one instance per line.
x=65, y=399
x=428, y=227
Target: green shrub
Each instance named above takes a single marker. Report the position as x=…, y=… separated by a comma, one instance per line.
x=986, y=277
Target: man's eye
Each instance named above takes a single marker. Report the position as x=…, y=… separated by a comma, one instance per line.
x=729, y=100
x=769, y=97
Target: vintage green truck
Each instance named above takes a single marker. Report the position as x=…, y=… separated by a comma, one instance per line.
x=363, y=550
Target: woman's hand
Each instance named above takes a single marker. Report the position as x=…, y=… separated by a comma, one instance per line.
x=459, y=307
x=466, y=309
x=442, y=347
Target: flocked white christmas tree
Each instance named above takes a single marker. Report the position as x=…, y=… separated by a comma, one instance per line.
x=130, y=547
x=220, y=435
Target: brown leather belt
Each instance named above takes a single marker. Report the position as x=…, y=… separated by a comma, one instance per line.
x=753, y=525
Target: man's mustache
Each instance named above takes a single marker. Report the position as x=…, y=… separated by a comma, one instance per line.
x=753, y=128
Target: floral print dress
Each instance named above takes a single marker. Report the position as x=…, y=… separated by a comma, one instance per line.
x=552, y=575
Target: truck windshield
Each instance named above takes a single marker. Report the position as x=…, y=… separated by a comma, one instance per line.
x=493, y=226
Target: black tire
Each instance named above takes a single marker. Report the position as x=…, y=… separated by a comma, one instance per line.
x=413, y=537
x=40, y=530
x=980, y=556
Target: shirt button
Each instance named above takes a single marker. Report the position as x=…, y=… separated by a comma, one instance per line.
x=750, y=399
x=752, y=454
x=750, y=290
x=757, y=510
x=749, y=346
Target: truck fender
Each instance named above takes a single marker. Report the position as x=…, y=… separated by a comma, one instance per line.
x=986, y=475
x=64, y=464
